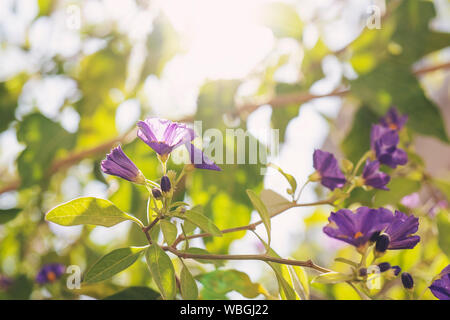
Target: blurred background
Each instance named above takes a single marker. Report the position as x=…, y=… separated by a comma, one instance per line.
x=76, y=76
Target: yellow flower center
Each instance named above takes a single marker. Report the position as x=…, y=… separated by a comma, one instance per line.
x=51, y=276
x=358, y=235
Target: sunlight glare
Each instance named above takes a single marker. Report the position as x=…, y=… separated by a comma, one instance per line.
x=223, y=38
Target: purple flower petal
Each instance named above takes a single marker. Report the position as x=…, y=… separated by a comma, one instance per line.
x=393, y=119
x=200, y=160
x=441, y=286
x=401, y=231
x=373, y=177
x=356, y=228
x=327, y=166
x=163, y=135
x=384, y=142
x=118, y=164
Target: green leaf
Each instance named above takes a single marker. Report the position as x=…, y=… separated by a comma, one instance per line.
x=135, y=293
x=8, y=215
x=357, y=140
x=300, y=282
x=399, y=187
x=262, y=210
x=392, y=83
x=10, y=91
x=89, y=210
x=200, y=221
x=332, y=278
x=282, y=274
x=169, y=231
x=162, y=271
x=291, y=180
x=189, y=290
x=286, y=290
x=43, y=138
x=384, y=59
x=113, y=263
x=274, y=202
x=443, y=223
x=221, y=282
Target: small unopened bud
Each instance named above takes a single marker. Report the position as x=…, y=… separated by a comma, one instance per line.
x=384, y=266
x=396, y=270
x=156, y=193
x=407, y=281
x=165, y=184
x=393, y=272
x=362, y=272
x=382, y=244
x=347, y=165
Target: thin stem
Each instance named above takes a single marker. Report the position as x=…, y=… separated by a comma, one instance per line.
x=360, y=162
x=361, y=294
x=301, y=190
x=152, y=183
x=182, y=173
x=260, y=257
x=151, y=225
x=251, y=226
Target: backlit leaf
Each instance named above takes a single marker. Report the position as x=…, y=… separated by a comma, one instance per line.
x=89, y=210
x=162, y=271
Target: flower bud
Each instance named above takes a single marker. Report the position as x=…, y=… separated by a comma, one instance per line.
x=347, y=165
x=165, y=184
x=407, y=281
x=156, y=193
x=393, y=272
x=362, y=272
x=384, y=266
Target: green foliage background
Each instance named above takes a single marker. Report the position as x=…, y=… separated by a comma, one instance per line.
x=385, y=61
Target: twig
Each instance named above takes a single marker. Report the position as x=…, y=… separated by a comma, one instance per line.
x=260, y=257
x=251, y=226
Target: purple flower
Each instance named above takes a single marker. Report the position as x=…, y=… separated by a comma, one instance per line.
x=199, y=159
x=327, y=170
x=441, y=286
x=163, y=135
x=393, y=119
x=400, y=231
x=118, y=164
x=411, y=200
x=384, y=142
x=357, y=228
x=374, y=177
x=5, y=282
x=50, y=273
